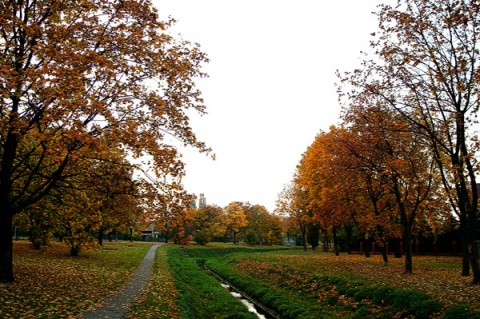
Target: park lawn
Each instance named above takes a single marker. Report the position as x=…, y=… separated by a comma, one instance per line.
x=329, y=282
x=51, y=284
x=437, y=276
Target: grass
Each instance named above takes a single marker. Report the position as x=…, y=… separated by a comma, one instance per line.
x=438, y=277
x=435, y=278
x=159, y=299
x=308, y=284
x=51, y=284
x=200, y=295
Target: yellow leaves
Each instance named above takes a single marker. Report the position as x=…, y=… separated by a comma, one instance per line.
x=235, y=217
x=50, y=284
x=435, y=276
x=158, y=300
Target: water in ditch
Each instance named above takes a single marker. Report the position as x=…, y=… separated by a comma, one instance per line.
x=251, y=307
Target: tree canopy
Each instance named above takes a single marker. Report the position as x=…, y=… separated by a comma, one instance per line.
x=79, y=76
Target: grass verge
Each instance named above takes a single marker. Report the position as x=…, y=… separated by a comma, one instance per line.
x=200, y=295
x=311, y=284
x=159, y=299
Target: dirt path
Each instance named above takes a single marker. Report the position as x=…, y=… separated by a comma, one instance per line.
x=117, y=306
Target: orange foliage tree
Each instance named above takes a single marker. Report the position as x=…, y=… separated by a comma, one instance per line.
x=398, y=158
x=426, y=69
x=263, y=228
x=326, y=184
x=234, y=219
x=207, y=223
x=74, y=72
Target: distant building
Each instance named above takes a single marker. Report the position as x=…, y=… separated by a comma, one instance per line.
x=202, y=201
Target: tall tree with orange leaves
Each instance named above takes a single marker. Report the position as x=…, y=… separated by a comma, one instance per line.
x=426, y=69
x=234, y=219
x=74, y=72
x=327, y=183
x=398, y=159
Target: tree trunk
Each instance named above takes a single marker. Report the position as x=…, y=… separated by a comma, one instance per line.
x=100, y=236
x=335, y=243
x=469, y=248
x=408, y=253
x=74, y=250
x=348, y=231
x=384, y=254
x=474, y=262
x=397, y=248
x=6, y=247
x=367, y=248
x=465, y=252
x=464, y=244
x=303, y=230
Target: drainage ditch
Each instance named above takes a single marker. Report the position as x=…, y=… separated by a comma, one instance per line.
x=253, y=306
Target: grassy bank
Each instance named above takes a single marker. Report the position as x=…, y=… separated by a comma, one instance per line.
x=301, y=284
x=200, y=295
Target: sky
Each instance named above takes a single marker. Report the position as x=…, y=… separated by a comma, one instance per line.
x=271, y=86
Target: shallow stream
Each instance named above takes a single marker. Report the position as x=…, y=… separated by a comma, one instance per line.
x=253, y=306
x=250, y=306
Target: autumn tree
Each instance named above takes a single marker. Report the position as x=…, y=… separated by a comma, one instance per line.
x=234, y=219
x=169, y=208
x=326, y=182
x=263, y=228
x=109, y=181
x=38, y=222
x=292, y=203
x=426, y=69
x=367, y=186
x=207, y=223
x=99, y=194
x=408, y=172
x=72, y=72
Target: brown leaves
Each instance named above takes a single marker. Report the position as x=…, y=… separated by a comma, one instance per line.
x=159, y=299
x=435, y=276
x=51, y=284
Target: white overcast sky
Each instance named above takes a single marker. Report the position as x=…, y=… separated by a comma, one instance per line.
x=270, y=88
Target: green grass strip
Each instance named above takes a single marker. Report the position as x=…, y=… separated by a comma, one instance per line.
x=200, y=295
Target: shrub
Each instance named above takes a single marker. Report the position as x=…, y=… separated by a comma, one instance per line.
x=425, y=308
x=251, y=238
x=364, y=293
x=201, y=238
x=380, y=295
x=460, y=312
x=402, y=299
x=341, y=288
x=332, y=300
x=361, y=313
